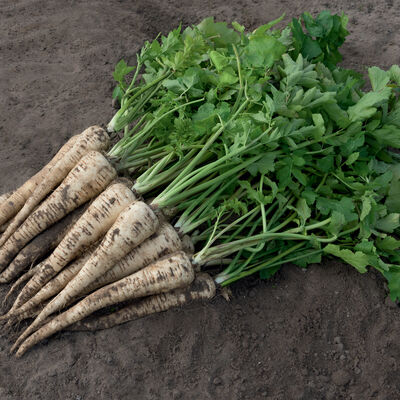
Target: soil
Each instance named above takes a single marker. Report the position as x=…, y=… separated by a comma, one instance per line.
x=324, y=333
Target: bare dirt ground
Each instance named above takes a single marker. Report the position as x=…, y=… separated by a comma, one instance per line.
x=327, y=333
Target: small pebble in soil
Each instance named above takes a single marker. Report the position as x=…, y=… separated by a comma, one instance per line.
x=337, y=340
x=217, y=381
x=341, y=377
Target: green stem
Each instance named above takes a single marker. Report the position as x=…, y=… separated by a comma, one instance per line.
x=115, y=124
x=270, y=264
x=240, y=94
x=179, y=194
x=182, y=176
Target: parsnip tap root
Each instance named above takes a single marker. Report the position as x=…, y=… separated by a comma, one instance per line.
x=165, y=241
x=26, y=276
x=134, y=225
x=40, y=246
x=50, y=289
x=18, y=197
x=170, y=273
x=202, y=288
x=86, y=180
x=4, y=227
x=93, y=138
x=94, y=223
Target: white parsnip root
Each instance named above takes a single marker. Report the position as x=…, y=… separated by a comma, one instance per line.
x=93, y=138
x=17, y=198
x=52, y=288
x=166, y=241
x=92, y=225
x=202, y=288
x=134, y=225
x=86, y=180
x=170, y=273
x=25, y=277
x=40, y=246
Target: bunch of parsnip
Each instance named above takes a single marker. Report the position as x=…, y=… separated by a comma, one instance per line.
x=247, y=150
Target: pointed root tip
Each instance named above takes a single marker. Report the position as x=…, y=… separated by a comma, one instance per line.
x=5, y=317
x=21, y=351
x=14, y=347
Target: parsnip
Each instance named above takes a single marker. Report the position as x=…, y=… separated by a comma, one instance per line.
x=93, y=138
x=202, y=288
x=93, y=224
x=134, y=225
x=86, y=180
x=170, y=273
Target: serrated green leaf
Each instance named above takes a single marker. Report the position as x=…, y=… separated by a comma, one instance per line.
x=263, y=51
x=309, y=195
x=218, y=32
x=344, y=206
x=303, y=210
x=394, y=72
x=379, y=78
x=388, y=244
x=366, y=106
x=326, y=164
x=337, y=222
x=393, y=199
x=366, y=208
x=389, y=223
x=302, y=178
x=358, y=259
x=352, y=158
x=227, y=78
x=365, y=246
x=393, y=278
x=388, y=135
x=121, y=70
x=311, y=48
x=219, y=60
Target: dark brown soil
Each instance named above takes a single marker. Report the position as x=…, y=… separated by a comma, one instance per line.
x=327, y=333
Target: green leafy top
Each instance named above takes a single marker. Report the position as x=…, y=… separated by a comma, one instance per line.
x=263, y=141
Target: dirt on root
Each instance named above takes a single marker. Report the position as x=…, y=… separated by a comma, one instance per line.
x=325, y=333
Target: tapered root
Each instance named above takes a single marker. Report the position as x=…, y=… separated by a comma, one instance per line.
x=40, y=246
x=202, y=288
x=171, y=273
x=93, y=138
x=86, y=180
x=25, y=277
x=134, y=225
x=92, y=226
x=17, y=199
